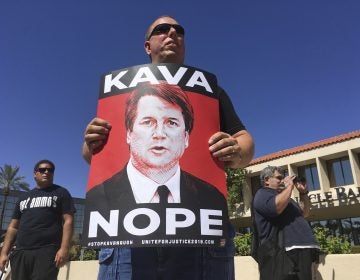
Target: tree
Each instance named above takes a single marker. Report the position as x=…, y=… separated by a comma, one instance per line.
x=9, y=180
x=235, y=179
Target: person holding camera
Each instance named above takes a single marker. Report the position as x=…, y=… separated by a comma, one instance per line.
x=273, y=208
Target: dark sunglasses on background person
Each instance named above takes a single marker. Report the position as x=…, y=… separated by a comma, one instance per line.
x=164, y=28
x=44, y=169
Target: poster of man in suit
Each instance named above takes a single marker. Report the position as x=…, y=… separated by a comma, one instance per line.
x=155, y=183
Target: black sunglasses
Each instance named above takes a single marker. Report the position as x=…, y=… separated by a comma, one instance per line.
x=279, y=177
x=48, y=169
x=164, y=28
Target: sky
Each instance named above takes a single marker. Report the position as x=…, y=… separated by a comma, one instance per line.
x=291, y=68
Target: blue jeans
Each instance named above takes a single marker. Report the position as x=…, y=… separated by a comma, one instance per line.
x=115, y=264
x=220, y=261
x=185, y=264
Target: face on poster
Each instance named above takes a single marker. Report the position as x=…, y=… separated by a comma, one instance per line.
x=162, y=117
x=157, y=135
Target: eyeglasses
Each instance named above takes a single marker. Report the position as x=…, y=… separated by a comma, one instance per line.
x=44, y=169
x=164, y=28
x=279, y=177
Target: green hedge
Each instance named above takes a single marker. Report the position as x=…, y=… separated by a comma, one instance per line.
x=328, y=244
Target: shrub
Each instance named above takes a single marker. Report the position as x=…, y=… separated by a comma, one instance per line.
x=87, y=254
x=331, y=244
x=242, y=244
x=328, y=244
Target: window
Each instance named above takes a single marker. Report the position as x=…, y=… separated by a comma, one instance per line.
x=79, y=217
x=244, y=230
x=348, y=227
x=355, y=229
x=309, y=172
x=285, y=172
x=340, y=172
x=8, y=210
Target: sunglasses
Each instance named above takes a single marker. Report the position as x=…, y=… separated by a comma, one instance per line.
x=43, y=170
x=279, y=177
x=164, y=28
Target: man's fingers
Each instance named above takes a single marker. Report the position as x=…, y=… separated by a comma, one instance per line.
x=225, y=147
x=218, y=136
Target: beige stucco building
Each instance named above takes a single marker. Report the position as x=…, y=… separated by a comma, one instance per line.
x=332, y=170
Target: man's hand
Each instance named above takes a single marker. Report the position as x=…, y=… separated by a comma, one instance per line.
x=282, y=199
x=4, y=260
x=289, y=181
x=301, y=187
x=8, y=243
x=61, y=257
x=224, y=147
x=96, y=135
x=234, y=150
x=304, y=202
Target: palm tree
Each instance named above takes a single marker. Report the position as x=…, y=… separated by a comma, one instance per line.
x=9, y=179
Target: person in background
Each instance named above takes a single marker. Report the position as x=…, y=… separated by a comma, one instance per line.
x=41, y=229
x=233, y=145
x=273, y=206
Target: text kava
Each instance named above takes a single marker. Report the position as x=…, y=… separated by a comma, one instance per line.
x=144, y=74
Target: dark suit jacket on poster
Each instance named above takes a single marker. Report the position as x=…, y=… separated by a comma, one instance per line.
x=116, y=193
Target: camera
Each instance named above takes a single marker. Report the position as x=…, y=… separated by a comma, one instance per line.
x=299, y=179
x=296, y=179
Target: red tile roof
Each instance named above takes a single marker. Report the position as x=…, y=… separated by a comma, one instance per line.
x=307, y=147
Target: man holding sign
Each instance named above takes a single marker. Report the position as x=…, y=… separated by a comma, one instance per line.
x=232, y=145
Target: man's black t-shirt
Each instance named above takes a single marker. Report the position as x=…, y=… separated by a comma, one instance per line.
x=40, y=213
x=229, y=120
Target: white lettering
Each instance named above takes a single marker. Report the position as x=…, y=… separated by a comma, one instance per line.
x=23, y=204
x=175, y=219
x=205, y=222
x=172, y=80
x=111, y=227
x=54, y=199
x=32, y=203
x=172, y=223
x=43, y=201
x=109, y=82
x=27, y=202
x=153, y=225
x=143, y=75
x=198, y=78
x=37, y=202
x=49, y=202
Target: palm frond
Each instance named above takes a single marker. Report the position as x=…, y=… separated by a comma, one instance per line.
x=9, y=178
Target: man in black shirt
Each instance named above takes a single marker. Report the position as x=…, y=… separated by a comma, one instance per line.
x=41, y=227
